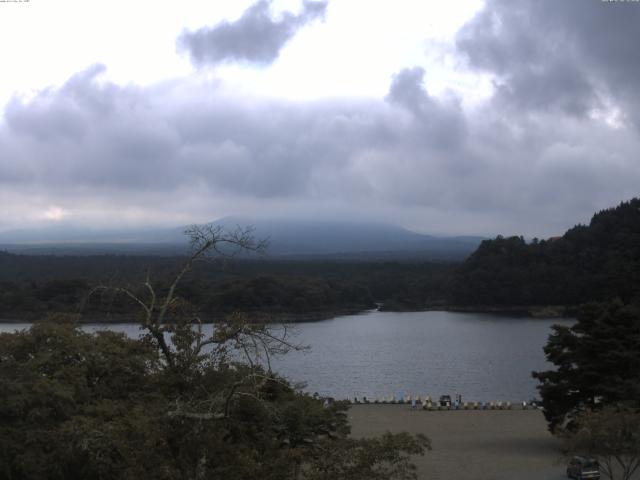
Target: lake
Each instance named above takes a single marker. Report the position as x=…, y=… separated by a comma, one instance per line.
x=483, y=357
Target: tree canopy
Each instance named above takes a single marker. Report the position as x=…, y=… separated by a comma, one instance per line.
x=612, y=436
x=597, y=362
x=176, y=403
x=592, y=262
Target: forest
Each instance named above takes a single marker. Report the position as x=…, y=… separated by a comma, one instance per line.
x=588, y=263
x=30, y=286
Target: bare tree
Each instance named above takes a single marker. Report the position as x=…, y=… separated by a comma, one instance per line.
x=183, y=402
x=177, y=329
x=612, y=436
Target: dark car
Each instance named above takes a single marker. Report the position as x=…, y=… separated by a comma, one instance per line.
x=582, y=468
x=445, y=401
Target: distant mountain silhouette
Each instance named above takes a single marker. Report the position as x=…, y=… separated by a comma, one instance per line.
x=287, y=238
x=306, y=237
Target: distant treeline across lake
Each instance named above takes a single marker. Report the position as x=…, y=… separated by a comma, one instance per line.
x=594, y=262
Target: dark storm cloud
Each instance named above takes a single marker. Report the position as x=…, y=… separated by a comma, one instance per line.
x=558, y=131
x=96, y=134
x=91, y=135
x=439, y=123
x=254, y=38
x=571, y=56
x=414, y=158
x=88, y=133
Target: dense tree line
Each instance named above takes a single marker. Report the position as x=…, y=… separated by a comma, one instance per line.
x=292, y=294
x=588, y=263
x=266, y=294
x=30, y=286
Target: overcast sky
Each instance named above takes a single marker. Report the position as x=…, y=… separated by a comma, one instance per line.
x=456, y=117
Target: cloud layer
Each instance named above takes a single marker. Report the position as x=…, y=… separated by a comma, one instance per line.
x=557, y=140
x=573, y=56
x=255, y=37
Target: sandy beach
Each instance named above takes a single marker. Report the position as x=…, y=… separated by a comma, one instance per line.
x=478, y=445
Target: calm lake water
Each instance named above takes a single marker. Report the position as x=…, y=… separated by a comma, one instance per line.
x=481, y=356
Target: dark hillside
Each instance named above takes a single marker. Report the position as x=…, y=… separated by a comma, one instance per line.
x=31, y=286
x=589, y=262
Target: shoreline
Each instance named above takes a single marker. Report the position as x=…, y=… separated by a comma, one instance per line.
x=282, y=317
x=528, y=311
x=549, y=311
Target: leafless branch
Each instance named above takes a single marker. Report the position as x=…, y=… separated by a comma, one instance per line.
x=256, y=341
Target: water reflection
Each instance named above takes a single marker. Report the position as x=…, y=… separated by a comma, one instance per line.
x=483, y=357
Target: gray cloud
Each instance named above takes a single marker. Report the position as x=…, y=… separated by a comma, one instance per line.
x=182, y=152
x=254, y=38
x=573, y=56
x=439, y=123
x=88, y=133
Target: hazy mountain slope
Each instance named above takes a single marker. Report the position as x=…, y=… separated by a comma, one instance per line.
x=289, y=237
x=286, y=238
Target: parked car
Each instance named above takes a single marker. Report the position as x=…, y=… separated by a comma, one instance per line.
x=583, y=468
x=445, y=400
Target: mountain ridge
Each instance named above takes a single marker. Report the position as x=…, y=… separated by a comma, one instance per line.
x=287, y=238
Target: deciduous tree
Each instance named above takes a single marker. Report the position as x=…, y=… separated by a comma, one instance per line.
x=612, y=436
x=178, y=403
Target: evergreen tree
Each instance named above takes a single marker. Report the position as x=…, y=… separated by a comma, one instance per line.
x=597, y=363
